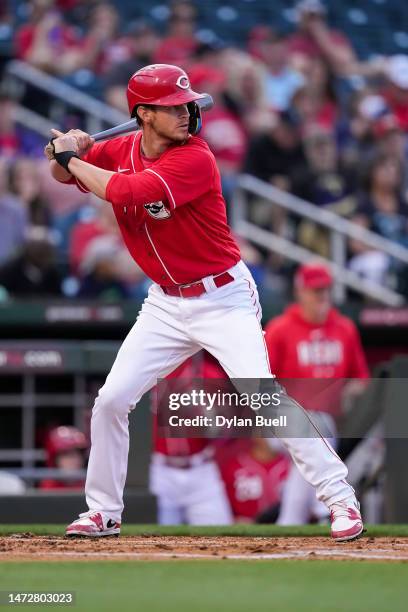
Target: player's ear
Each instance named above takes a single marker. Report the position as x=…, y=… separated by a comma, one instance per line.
x=143, y=114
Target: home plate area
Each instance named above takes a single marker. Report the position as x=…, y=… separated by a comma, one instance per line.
x=27, y=546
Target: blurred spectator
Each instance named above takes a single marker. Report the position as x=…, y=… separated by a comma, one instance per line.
x=245, y=86
x=143, y=40
x=254, y=478
x=99, y=270
x=33, y=271
x=396, y=93
x=91, y=243
x=314, y=38
x=315, y=100
x=6, y=33
x=358, y=127
x=66, y=203
x=222, y=129
x=275, y=151
x=13, y=217
x=104, y=47
x=308, y=344
x=25, y=185
x=392, y=141
x=46, y=37
x=9, y=142
x=179, y=44
x=253, y=259
x=383, y=209
x=281, y=81
x=101, y=223
x=324, y=182
x=65, y=447
x=15, y=140
x=271, y=156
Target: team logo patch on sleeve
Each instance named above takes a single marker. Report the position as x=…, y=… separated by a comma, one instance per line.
x=157, y=210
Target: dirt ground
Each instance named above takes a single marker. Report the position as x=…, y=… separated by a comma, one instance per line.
x=27, y=546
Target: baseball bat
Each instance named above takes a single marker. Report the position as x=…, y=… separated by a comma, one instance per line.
x=130, y=126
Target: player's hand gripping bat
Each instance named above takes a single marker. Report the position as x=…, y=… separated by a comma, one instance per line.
x=203, y=104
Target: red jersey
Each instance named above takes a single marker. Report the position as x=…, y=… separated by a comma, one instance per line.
x=252, y=486
x=171, y=214
x=299, y=349
x=201, y=365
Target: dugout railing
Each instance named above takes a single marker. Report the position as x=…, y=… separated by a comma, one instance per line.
x=44, y=379
x=45, y=383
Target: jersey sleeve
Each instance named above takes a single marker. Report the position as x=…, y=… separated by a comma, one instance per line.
x=186, y=174
x=181, y=177
x=358, y=367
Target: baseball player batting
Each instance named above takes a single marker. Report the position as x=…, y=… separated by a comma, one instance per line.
x=165, y=189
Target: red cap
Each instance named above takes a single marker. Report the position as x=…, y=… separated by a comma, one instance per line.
x=313, y=276
x=385, y=125
x=201, y=73
x=160, y=85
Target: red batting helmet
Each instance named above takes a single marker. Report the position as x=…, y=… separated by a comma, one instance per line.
x=163, y=85
x=62, y=439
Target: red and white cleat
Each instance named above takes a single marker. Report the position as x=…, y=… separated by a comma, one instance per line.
x=346, y=521
x=93, y=524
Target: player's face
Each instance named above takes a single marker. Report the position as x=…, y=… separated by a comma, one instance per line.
x=315, y=302
x=171, y=122
x=70, y=460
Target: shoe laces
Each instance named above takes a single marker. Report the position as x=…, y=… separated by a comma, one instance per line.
x=342, y=509
x=89, y=513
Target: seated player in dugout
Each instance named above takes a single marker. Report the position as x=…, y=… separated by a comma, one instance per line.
x=184, y=475
x=254, y=475
x=165, y=189
x=65, y=448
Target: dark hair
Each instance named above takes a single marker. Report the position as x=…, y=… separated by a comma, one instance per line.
x=372, y=165
x=134, y=112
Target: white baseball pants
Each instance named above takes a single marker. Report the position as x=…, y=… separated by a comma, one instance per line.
x=195, y=496
x=226, y=322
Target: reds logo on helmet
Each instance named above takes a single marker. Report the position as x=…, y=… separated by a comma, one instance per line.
x=183, y=82
x=160, y=85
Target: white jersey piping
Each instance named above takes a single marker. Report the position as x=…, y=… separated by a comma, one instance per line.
x=165, y=184
x=158, y=256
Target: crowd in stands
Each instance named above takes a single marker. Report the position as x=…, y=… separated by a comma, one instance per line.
x=298, y=109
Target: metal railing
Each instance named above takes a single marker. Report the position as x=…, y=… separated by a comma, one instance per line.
x=97, y=113
x=340, y=230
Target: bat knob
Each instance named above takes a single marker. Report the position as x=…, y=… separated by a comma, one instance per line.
x=206, y=103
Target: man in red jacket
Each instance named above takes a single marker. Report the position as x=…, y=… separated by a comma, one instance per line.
x=312, y=340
